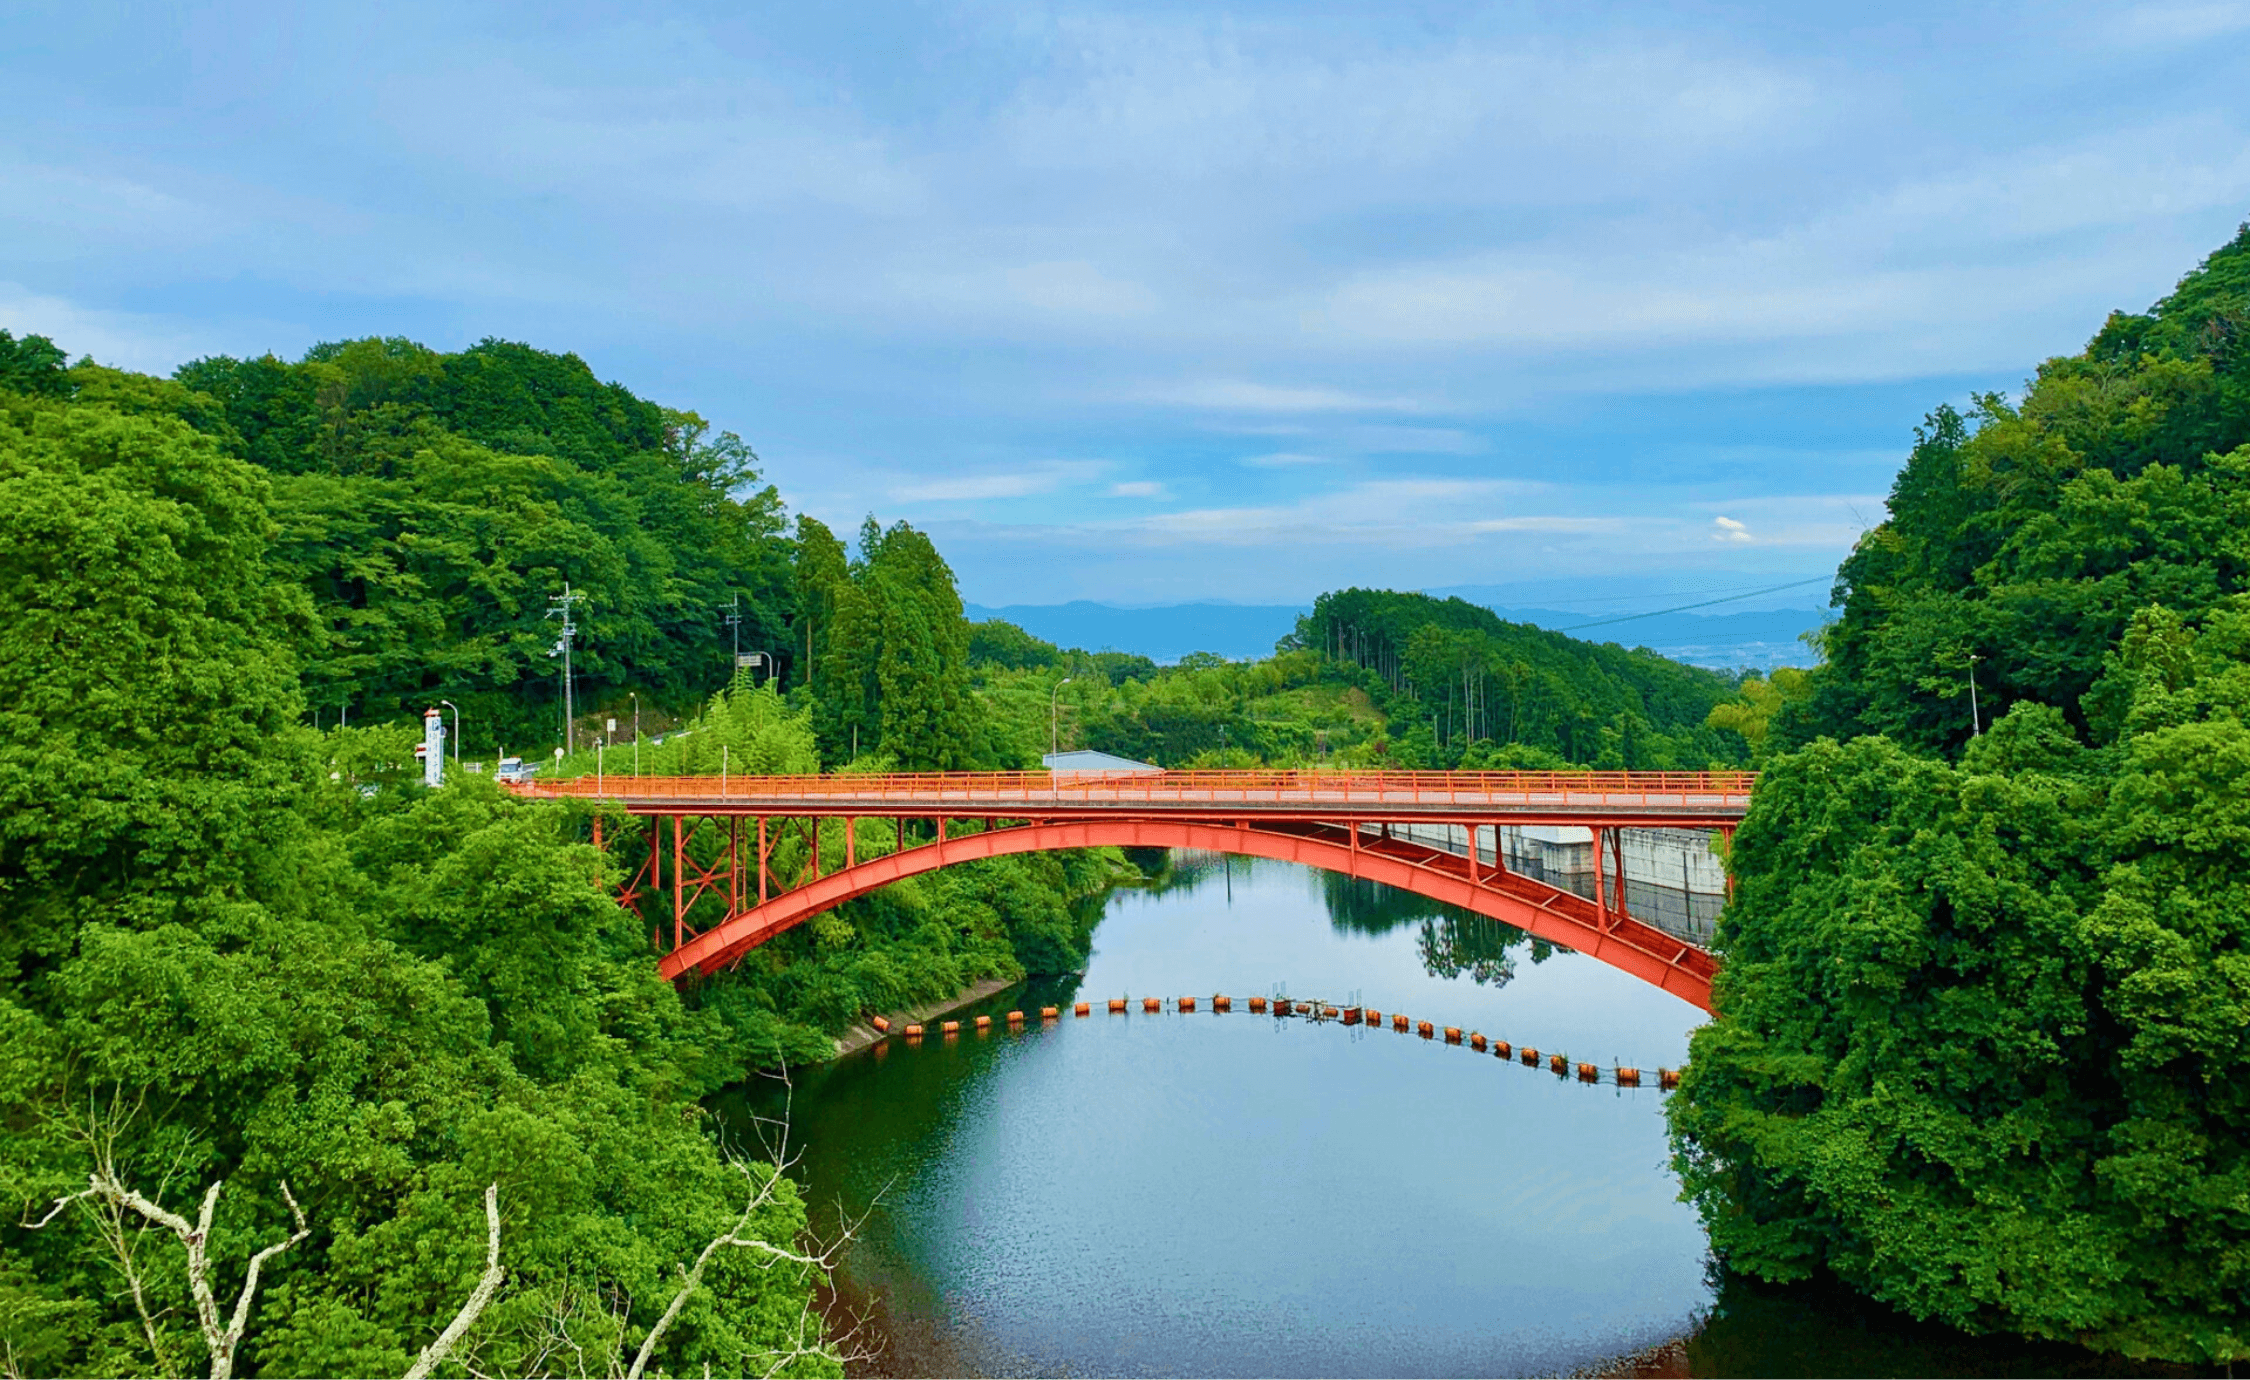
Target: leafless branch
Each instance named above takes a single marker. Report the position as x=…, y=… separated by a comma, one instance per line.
x=478, y=1297
x=103, y=1186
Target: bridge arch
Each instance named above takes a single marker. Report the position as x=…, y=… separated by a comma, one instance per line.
x=1547, y=912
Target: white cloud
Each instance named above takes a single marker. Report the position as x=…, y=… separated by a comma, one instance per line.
x=124, y=340
x=1137, y=488
x=2171, y=25
x=963, y=488
x=1729, y=530
x=1284, y=459
x=1242, y=396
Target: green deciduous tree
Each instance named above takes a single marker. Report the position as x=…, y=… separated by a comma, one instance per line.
x=1979, y=1040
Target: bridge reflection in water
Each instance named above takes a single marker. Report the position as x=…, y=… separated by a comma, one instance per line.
x=742, y=859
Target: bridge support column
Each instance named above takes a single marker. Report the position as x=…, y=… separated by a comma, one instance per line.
x=679, y=885
x=1601, y=900
x=1617, y=857
x=734, y=864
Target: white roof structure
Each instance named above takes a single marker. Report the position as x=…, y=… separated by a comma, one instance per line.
x=1085, y=762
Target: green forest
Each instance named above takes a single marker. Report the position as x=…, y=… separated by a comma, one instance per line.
x=1982, y=1041
x=302, y=1059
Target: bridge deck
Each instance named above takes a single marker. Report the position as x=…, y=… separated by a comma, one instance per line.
x=1608, y=798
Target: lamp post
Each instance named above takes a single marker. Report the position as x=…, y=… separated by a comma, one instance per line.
x=1054, y=716
x=456, y=730
x=636, y=732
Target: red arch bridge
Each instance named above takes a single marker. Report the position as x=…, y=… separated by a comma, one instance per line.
x=717, y=844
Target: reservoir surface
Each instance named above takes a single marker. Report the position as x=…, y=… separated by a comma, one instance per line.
x=1235, y=1194
x=1232, y=1194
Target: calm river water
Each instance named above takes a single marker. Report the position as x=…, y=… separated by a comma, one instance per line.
x=1238, y=1195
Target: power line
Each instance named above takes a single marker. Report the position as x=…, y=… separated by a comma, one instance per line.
x=1683, y=608
x=1531, y=601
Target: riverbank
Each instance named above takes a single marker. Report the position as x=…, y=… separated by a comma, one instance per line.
x=863, y=1034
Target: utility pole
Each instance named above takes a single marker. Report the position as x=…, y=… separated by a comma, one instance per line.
x=636, y=731
x=734, y=621
x=560, y=607
x=1975, y=728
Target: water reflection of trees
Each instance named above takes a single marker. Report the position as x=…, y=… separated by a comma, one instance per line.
x=1451, y=940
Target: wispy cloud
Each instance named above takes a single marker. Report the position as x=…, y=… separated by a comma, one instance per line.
x=1284, y=459
x=1241, y=396
x=965, y=488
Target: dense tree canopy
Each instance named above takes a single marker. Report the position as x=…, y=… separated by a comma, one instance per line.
x=1474, y=679
x=432, y=506
x=1983, y=1028
x=225, y=966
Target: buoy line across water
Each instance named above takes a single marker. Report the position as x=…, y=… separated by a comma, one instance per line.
x=1323, y=1013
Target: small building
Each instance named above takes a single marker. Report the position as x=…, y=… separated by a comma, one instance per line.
x=1085, y=762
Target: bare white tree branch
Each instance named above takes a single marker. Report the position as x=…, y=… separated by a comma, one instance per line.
x=105, y=1187
x=478, y=1297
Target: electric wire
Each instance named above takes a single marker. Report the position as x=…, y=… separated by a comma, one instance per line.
x=1655, y=613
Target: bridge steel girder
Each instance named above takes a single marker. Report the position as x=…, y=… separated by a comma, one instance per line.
x=1546, y=912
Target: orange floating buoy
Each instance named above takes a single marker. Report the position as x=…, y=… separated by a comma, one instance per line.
x=1558, y=1064
x=1151, y=1004
x=1530, y=1057
x=882, y=1027
x=1425, y=1029
x=1048, y=1013
x=1502, y=1048
x=914, y=1032
x=1328, y=1013
x=1015, y=1018
x=1667, y=1078
x=1476, y=1042
x=1116, y=1006
x=1222, y=1003
x=984, y=1023
x=1374, y=1017
x=1398, y=1022
x=1257, y=1003
x=1081, y=1008
x=1628, y=1078
x=1587, y=1073
x=951, y=1027
x=1453, y=1034
x=1187, y=1003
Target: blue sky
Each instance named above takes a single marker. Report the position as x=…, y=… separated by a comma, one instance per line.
x=1169, y=302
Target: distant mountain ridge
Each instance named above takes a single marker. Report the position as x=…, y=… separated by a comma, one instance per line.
x=1755, y=638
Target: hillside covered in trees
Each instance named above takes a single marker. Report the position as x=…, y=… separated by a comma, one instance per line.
x=1982, y=1048
x=273, y=1045
x=253, y=967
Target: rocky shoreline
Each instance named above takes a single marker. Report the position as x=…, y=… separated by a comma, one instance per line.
x=862, y=1035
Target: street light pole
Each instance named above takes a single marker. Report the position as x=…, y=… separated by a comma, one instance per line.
x=456, y=730
x=1054, y=716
